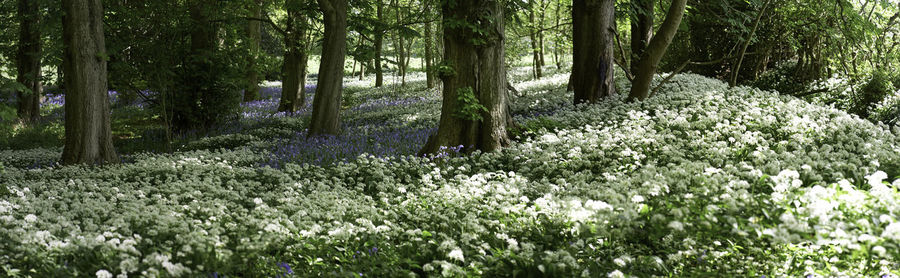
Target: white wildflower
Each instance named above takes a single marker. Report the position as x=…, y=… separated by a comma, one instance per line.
x=637, y=198
x=456, y=254
x=103, y=273
x=892, y=231
x=616, y=274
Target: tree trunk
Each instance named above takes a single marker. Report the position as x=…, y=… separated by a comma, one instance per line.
x=254, y=36
x=401, y=49
x=29, y=60
x=326, y=111
x=478, y=71
x=362, y=69
x=293, y=94
x=640, y=87
x=532, y=35
x=379, y=44
x=593, y=44
x=88, y=136
x=641, y=29
x=540, y=34
x=196, y=106
x=429, y=70
x=557, y=45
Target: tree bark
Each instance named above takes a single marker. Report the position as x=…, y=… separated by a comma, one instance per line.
x=379, y=43
x=326, y=111
x=362, y=69
x=477, y=60
x=88, y=138
x=293, y=94
x=640, y=87
x=28, y=64
x=641, y=29
x=254, y=36
x=593, y=44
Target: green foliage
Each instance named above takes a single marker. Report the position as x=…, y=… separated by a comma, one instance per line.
x=7, y=114
x=228, y=141
x=873, y=92
x=446, y=70
x=469, y=107
x=532, y=127
x=783, y=78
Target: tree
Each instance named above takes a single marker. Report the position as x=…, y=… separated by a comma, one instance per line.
x=533, y=37
x=640, y=87
x=430, y=81
x=641, y=29
x=326, y=111
x=88, y=138
x=293, y=95
x=28, y=62
x=593, y=44
x=254, y=37
x=379, y=43
x=475, y=111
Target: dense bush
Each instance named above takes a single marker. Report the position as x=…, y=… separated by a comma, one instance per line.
x=783, y=78
x=872, y=92
x=701, y=180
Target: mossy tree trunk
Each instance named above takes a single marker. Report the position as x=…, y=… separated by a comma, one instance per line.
x=88, y=138
x=592, y=50
x=326, y=111
x=475, y=110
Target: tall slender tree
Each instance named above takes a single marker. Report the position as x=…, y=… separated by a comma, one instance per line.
x=535, y=41
x=28, y=62
x=475, y=111
x=379, y=42
x=649, y=62
x=88, y=138
x=593, y=44
x=326, y=113
x=430, y=81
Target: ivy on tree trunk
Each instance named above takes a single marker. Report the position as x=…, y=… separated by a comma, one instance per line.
x=475, y=110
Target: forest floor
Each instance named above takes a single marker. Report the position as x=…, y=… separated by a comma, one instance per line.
x=700, y=180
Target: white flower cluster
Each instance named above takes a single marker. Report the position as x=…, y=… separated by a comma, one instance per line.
x=701, y=179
